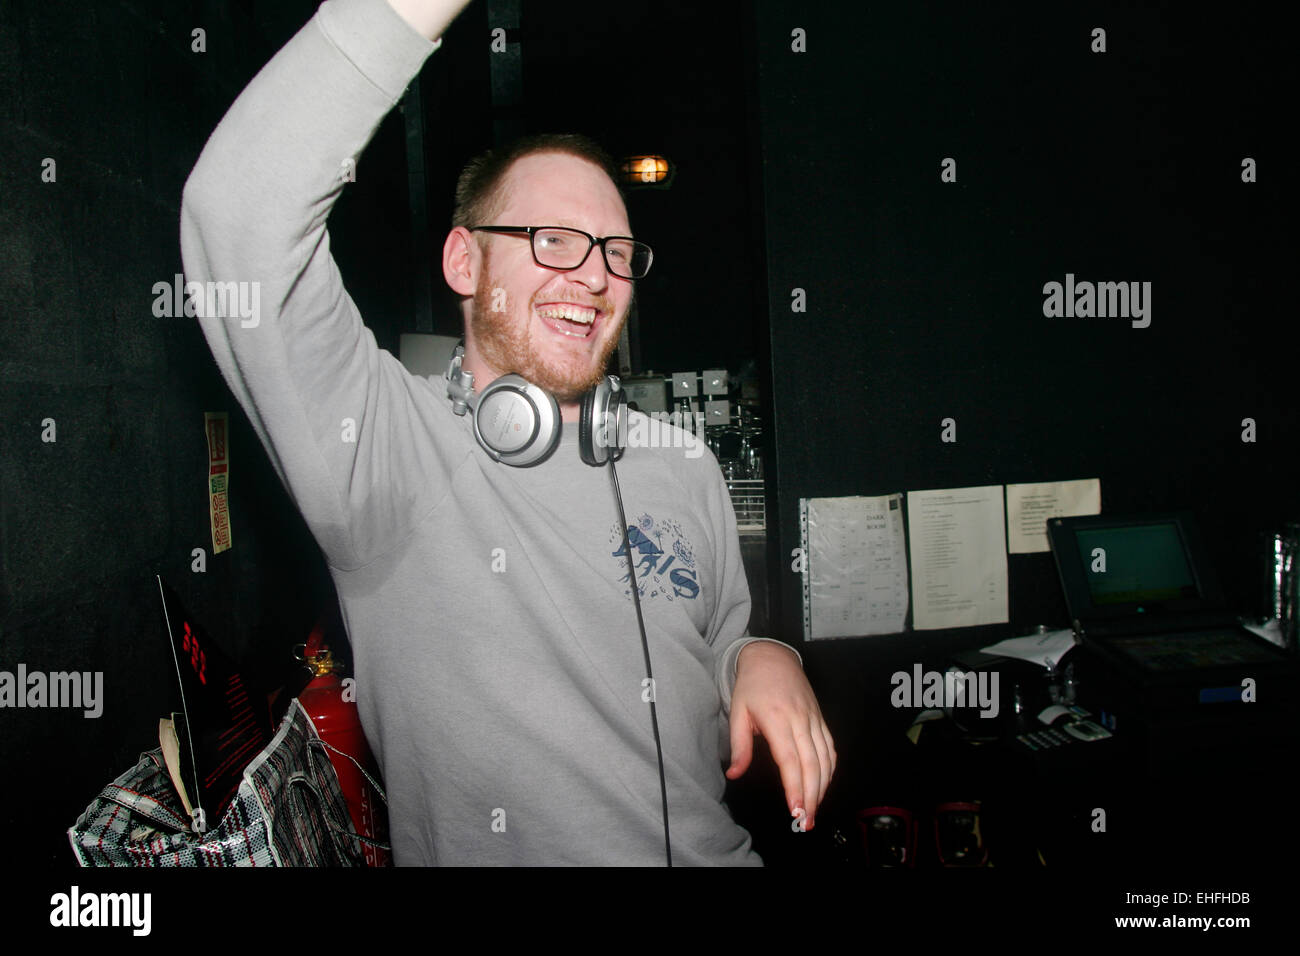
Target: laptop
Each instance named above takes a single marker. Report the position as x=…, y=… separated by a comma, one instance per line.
x=1144, y=597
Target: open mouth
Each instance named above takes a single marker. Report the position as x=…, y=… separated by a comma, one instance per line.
x=569, y=318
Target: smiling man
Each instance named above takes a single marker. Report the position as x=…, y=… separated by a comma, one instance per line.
x=491, y=609
x=556, y=328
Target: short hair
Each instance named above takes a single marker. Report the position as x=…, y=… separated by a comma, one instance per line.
x=478, y=190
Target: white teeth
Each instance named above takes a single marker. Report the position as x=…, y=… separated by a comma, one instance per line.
x=574, y=313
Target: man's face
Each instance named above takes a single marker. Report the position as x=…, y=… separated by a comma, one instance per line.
x=516, y=320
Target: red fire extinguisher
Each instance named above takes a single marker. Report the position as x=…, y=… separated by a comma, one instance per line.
x=334, y=712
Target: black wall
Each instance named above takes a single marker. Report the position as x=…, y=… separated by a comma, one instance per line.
x=116, y=96
x=669, y=79
x=925, y=298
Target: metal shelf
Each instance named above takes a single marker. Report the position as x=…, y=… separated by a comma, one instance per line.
x=750, y=504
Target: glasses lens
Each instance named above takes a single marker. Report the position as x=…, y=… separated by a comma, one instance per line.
x=628, y=258
x=560, y=248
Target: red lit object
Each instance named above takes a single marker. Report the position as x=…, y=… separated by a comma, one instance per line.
x=338, y=723
x=198, y=660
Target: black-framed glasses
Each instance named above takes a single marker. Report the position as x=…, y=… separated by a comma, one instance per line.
x=559, y=247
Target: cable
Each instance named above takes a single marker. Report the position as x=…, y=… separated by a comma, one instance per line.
x=645, y=647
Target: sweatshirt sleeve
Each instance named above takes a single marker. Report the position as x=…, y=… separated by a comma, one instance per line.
x=346, y=427
x=728, y=632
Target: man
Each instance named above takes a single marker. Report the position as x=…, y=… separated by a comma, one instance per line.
x=498, y=666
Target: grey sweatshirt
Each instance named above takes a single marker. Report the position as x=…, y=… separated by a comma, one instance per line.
x=497, y=657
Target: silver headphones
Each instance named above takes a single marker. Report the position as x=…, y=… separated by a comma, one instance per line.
x=518, y=423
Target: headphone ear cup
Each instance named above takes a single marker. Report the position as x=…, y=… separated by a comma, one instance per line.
x=516, y=422
x=602, y=422
x=587, y=429
x=617, y=409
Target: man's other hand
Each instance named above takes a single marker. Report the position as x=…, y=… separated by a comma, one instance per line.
x=773, y=698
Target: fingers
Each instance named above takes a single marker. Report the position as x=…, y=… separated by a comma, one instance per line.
x=805, y=755
x=742, y=743
x=810, y=763
x=795, y=755
x=823, y=756
x=830, y=746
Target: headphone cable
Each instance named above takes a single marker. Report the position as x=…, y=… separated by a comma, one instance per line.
x=645, y=647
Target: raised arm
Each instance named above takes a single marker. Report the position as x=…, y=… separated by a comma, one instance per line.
x=336, y=414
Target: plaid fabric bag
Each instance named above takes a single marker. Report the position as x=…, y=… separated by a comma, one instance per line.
x=288, y=811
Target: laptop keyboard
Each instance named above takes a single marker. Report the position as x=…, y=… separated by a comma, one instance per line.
x=1187, y=650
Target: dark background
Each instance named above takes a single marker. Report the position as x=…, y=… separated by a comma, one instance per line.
x=816, y=170
x=925, y=302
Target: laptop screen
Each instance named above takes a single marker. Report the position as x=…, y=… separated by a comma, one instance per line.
x=1136, y=564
